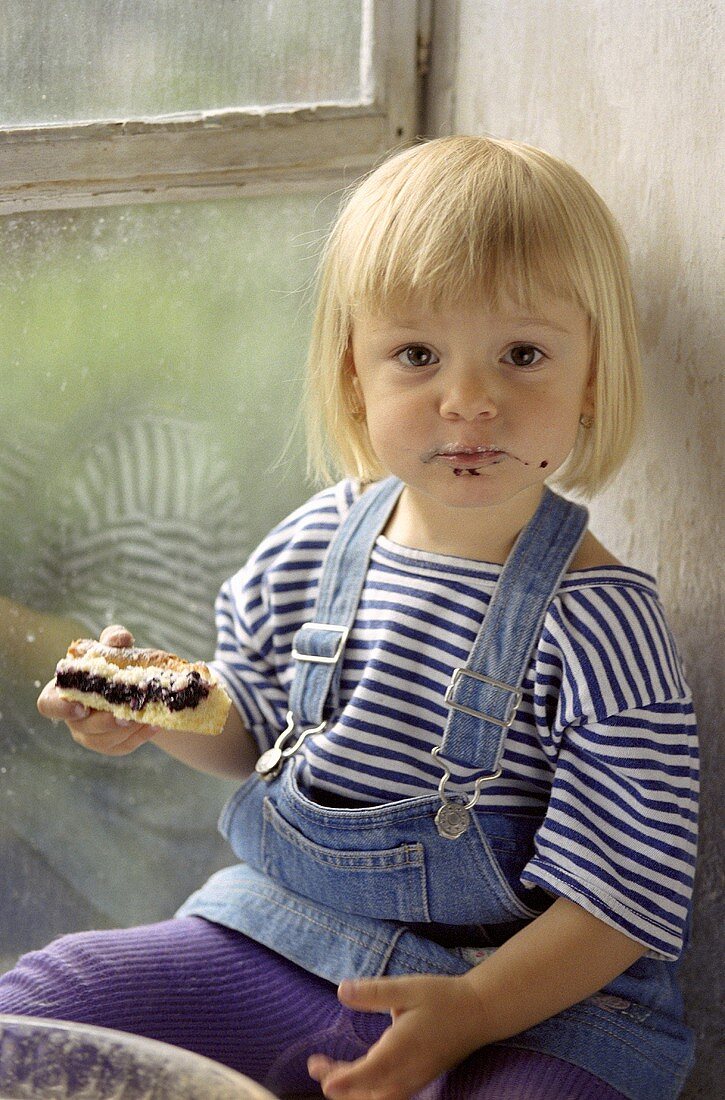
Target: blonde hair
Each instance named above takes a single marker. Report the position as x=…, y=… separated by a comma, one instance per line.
x=462, y=217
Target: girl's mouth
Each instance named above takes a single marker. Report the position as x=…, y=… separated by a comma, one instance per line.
x=469, y=458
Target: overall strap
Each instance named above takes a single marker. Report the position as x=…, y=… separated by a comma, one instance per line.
x=318, y=646
x=485, y=694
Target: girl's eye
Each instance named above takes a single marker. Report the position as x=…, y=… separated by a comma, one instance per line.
x=524, y=355
x=416, y=355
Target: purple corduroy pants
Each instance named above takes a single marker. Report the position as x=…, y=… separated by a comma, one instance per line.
x=212, y=990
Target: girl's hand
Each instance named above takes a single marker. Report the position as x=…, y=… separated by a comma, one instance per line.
x=436, y=1021
x=96, y=729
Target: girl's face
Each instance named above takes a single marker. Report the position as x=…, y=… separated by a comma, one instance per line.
x=473, y=407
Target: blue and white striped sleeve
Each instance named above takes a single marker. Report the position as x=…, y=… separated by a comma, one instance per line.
x=259, y=610
x=620, y=833
x=242, y=658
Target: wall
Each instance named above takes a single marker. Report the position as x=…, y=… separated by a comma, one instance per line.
x=629, y=91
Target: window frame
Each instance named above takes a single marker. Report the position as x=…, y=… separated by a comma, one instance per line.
x=228, y=153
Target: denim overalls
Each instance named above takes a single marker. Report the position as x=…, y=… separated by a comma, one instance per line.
x=429, y=884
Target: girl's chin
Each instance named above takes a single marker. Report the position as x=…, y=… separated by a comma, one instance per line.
x=478, y=488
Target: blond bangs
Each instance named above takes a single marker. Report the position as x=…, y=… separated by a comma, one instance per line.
x=457, y=227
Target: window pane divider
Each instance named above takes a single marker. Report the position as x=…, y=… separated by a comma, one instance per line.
x=226, y=152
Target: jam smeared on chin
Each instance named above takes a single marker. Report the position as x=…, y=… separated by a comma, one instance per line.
x=476, y=473
x=136, y=696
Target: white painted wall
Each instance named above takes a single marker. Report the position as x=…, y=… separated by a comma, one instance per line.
x=630, y=92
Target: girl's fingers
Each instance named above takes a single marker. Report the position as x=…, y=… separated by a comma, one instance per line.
x=110, y=738
x=375, y=1074
x=319, y=1066
x=96, y=730
x=331, y=1076
x=374, y=994
x=51, y=704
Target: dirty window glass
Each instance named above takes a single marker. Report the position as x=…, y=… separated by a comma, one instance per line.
x=104, y=59
x=150, y=372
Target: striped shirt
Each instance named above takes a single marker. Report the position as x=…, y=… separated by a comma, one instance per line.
x=603, y=747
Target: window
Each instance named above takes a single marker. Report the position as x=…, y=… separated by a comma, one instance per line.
x=167, y=173
x=126, y=100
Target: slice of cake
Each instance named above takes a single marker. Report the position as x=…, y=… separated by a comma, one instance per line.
x=143, y=685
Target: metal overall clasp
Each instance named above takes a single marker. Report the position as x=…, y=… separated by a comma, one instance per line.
x=454, y=817
x=272, y=761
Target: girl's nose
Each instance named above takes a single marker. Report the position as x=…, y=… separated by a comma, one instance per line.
x=468, y=396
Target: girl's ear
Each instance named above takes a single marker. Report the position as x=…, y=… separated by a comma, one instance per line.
x=588, y=403
x=356, y=402
x=348, y=362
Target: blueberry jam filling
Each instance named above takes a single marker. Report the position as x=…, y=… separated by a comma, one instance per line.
x=136, y=696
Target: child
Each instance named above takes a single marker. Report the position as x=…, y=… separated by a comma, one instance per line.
x=477, y=793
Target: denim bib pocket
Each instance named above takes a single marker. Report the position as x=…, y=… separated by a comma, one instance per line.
x=386, y=883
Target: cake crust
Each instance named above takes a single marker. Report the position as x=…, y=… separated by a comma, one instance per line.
x=144, y=685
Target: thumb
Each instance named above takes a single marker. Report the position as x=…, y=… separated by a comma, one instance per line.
x=116, y=636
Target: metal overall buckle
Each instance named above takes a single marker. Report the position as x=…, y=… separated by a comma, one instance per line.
x=316, y=658
x=454, y=817
x=272, y=761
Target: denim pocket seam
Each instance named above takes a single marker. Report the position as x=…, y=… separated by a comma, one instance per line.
x=385, y=859
x=366, y=818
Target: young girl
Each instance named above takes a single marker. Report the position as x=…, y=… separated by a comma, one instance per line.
x=467, y=848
